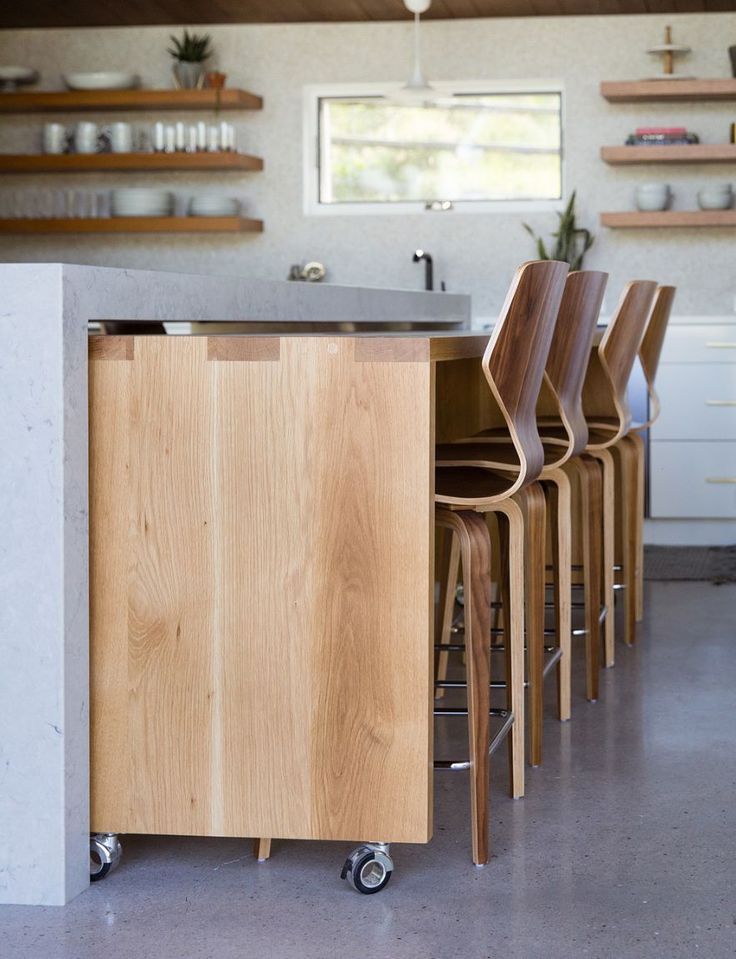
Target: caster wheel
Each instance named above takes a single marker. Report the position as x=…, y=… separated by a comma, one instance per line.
x=104, y=854
x=368, y=869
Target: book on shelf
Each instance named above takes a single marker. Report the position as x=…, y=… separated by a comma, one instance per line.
x=662, y=139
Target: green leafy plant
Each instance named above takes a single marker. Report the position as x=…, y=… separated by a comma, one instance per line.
x=572, y=242
x=191, y=48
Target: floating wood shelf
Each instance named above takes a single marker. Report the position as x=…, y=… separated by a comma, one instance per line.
x=100, y=162
x=652, y=90
x=669, y=218
x=73, y=101
x=693, y=153
x=134, y=224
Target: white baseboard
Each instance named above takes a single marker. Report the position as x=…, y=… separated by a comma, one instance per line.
x=690, y=532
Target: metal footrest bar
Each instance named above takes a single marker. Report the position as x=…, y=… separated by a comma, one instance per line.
x=552, y=661
x=457, y=764
x=619, y=586
x=461, y=684
x=461, y=648
x=452, y=711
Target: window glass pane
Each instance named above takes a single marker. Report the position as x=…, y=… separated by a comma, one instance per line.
x=463, y=148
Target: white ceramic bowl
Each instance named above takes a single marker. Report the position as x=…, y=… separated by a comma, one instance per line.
x=651, y=197
x=213, y=206
x=15, y=76
x=715, y=199
x=102, y=80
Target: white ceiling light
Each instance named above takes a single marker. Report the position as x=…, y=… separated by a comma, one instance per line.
x=416, y=92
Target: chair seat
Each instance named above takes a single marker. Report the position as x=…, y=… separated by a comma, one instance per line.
x=501, y=456
x=490, y=455
x=469, y=486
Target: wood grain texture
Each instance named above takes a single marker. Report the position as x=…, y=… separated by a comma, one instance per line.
x=569, y=353
x=274, y=595
x=110, y=391
x=630, y=91
x=692, y=153
x=244, y=349
x=77, y=101
x=558, y=491
x=132, y=224
x=111, y=348
x=122, y=162
x=85, y=13
x=610, y=366
x=475, y=547
x=669, y=219
x=652, y=342
x=414, y=349
x=516, y=355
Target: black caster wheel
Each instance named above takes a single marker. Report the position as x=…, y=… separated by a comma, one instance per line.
x=368, y=868
x=104, y=854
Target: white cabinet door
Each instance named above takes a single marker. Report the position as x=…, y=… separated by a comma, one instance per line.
x=705, y=343
x=698, y=402
x=692, y=480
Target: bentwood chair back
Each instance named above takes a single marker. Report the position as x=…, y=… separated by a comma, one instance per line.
x=561, y=396
x=651, y=345
x=517, y=353
x=604, y=392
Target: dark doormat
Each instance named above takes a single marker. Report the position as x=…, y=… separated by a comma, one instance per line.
x=716, y=564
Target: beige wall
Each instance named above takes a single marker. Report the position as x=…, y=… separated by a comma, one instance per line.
x=473, y=253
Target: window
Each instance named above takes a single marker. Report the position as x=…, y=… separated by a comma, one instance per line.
x=485, y=147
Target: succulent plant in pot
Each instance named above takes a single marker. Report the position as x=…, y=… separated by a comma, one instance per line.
x=190, y=53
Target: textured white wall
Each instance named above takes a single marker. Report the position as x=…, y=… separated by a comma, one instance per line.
x=473, y=253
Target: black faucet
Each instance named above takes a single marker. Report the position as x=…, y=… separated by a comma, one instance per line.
x=428, y=269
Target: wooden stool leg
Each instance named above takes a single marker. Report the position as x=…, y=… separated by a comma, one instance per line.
x=533, y=504
x=448, y=572
x=591, y=504
x=512, y=596
x=637, y=441
x=262, y=849
x=627, y=472
x=559, y=500
x=475, y=548
x=609, y=551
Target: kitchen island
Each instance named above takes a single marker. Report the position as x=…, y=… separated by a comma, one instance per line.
x=44, y=626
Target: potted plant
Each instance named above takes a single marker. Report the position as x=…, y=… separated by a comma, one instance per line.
x=190, y=53
x=572, y=241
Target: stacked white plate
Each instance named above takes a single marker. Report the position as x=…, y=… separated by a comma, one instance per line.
x=142, y=202
x=212, y=205
x=102, y=80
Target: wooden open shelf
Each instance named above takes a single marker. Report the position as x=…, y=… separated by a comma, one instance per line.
x=101, y=162
x=134, y=224
x=669, y=218
x=693, y=153
x=652, y=90
x=73, y=101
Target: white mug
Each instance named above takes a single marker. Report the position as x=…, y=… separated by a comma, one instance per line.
x=54, y=138
x=86, y=137
x=121, y=137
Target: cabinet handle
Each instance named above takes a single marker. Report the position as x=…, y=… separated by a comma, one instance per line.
x=719, y=345
x=720, y=402
x=721, y=480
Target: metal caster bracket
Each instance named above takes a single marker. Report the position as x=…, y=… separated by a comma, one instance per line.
x=104, y=854
x=368, y=868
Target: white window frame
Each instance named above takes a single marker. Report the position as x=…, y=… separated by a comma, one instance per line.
x=311, y=148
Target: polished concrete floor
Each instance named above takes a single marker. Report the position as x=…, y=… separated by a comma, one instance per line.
x=625, y=845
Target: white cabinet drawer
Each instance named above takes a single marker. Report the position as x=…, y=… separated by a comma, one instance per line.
x=692, y=480
x=698, y=402
x=706, y=343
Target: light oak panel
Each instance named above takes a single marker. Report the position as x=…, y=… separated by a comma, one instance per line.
x=276, y=615
x=110, y=386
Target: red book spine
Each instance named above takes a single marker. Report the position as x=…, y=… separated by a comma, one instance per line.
x=661, y=131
